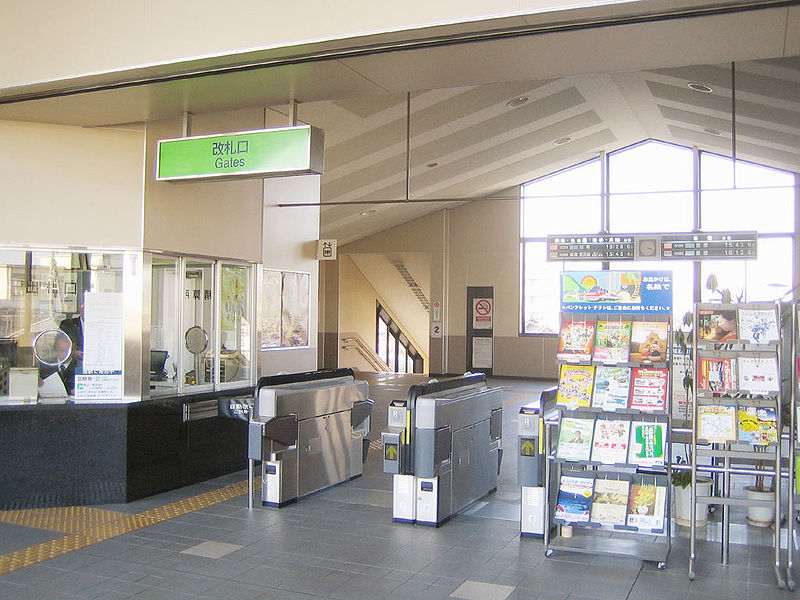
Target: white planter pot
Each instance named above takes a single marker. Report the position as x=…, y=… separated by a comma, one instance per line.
x=760, y=516
x=683, y=503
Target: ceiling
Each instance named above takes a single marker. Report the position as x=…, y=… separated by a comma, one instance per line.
x=586, y=90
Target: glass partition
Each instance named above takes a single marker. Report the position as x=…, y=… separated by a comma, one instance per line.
x=165, y=341
x=235, y=319
x=198, y=323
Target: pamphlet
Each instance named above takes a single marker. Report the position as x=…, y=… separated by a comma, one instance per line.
x=610, y=443
x=611, y=388
x=648, y=342
x=717, y=325
x=758, y=326
x=575, y=386
x=758, y=426
x=649, y=389
x=575, y=339
x=716, y=423
x=610, y=501
x=574, y=499
x=648, y=439
x=574, y=438
x=612, y=341
x=646, y=506
x=758, y=375
x=717, y=375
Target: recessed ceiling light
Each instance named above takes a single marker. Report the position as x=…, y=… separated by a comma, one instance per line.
x=430, y=165
x=700, y=87
x=368, y=212
x=712, y=131
x=562, y=140
x=518, y=101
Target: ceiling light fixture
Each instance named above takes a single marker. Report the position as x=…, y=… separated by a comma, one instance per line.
x=712, y=131
x=700, y=87
x=562, y=140
x=368, y=212
x=518, y=101
x=430, y=165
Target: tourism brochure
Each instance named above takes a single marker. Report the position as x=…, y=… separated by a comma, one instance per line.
x=612, y=341
x=716, y=423
x=575, y=386
x=611, y=388
x=575, y=339
x=610, y=501
x=649, y=389
x=717, y=375
x=648, y=342
x=574, y=499
x=648, y=440
x=758, y=426
x=758, y=375
x=758, y=326
x=646, y=506
x=574, y=438
x=610, y=443
x=717, y=325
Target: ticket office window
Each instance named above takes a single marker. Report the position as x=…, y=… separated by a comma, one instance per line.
x=46, y=291
x=236, y=315
x=198, y=323
x=165, y=339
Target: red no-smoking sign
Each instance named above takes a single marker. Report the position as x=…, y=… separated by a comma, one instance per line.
x=482, y=313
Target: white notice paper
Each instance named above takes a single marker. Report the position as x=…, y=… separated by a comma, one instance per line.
x=102, y=332
x=482, y=352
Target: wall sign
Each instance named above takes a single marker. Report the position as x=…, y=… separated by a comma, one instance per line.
x=263, y=153
x=482, y=309
x=616, y=291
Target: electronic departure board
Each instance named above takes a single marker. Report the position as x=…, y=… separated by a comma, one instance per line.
x=739, y=244
x=590, y=247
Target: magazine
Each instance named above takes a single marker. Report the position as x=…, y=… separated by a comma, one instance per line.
x=574, y=438
x=758, y=326
x=575, y=386
x=649, y=389
x=612, y=341
x=610, y=501
x=716, y=423
x=717, y=375
x=611, y=388
x=758, y=426
x=648, y=440
x=610, y=443
x=646, y=506
x=574, y=499
x=758, y=375
x=575, y=339
x=717, y=325
x=648, y=342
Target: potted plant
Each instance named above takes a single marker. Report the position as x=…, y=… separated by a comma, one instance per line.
x=761, y=516
x=682, y=492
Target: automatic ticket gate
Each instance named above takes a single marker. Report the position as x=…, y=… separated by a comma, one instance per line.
x=309, y=432
x=531, y=461
x=443, y=448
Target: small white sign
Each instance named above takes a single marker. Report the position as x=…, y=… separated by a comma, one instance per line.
x=437, y=311
x=482, y=309
x=482, y=352
x=326, y=250
x=98, y=387
x=436, y=329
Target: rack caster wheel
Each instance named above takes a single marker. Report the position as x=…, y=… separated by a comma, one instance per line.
x=661, y=566
x=792, y=584
x=548, y=553
x=691, y=575
x=712, y=509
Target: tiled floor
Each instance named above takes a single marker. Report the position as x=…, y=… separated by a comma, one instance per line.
x=342, y=544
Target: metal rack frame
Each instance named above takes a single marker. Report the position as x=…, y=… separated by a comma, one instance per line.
x=793, y=441
x=722, y=456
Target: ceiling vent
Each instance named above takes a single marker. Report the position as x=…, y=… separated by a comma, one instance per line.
x=413, y=285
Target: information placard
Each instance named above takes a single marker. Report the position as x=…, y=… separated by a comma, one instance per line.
x=593, y=247
x=616, y=292
x=739, y=244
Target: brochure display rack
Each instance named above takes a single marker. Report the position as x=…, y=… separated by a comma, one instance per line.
x=794, y=442
x=737, y=410
x=607, y=472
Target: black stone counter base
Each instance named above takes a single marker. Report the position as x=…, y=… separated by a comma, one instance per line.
x=79, y=454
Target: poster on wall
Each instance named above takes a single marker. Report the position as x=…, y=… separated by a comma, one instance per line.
x=482, y=352
x=616, y=292
x=271, y=285
x=294, y=309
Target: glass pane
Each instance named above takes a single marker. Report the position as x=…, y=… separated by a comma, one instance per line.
x=765, y=279
x=401, y=359
x=382, y=340
x=165, y=341
x=198, y=323
x=635, y=173
x=235, y=331
x=566, y=202
x=392, y=352
x=762, y=199
x=46, y=290
x=409, y=364
x=542, y=287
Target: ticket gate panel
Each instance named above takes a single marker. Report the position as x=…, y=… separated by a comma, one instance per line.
x=323, y=452
x=474, y=470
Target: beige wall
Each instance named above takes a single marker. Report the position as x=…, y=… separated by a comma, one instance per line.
x=357, y=300
x=215, y=218
x=46, y=40
x=66, y=185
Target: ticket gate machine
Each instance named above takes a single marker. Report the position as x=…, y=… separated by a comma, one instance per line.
x=309, y=432
x=443, y=448
x=531, y=462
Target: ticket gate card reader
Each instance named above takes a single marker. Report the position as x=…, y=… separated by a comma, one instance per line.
x=309, y=432
x=443, y=448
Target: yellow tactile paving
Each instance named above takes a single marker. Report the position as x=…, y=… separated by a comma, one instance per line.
x=86, y=525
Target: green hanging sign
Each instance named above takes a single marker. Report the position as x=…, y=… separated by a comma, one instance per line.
x=264, y=153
